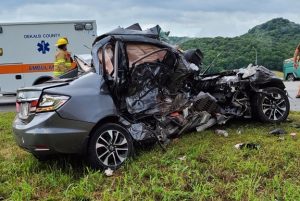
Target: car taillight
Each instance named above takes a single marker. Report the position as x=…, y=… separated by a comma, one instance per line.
x=50, y=102
x=25, y=107
x=33, y=104
x=26, y=102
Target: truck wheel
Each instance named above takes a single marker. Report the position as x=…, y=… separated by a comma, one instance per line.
x=42, y=80
x=272, y=107
x=109, y=147
x=290, y=77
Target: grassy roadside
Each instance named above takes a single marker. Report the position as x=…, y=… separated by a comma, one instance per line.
x=212, y=170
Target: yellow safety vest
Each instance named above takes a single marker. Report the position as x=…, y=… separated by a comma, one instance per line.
x=62, y=63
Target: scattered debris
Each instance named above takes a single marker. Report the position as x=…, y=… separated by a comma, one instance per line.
x=109, y=172
x=239, y=131
x=183, y=158
x=293, y=135
x=202, y=159
x=221, y=132
x=238, y=146
x=247, y=145
x=281, y=138
x=205, y=126
x=277, y=131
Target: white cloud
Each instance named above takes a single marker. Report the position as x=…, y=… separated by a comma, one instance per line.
x=183, y=18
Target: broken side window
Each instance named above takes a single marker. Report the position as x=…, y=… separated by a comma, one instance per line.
x=135, y=51
x=107, y=57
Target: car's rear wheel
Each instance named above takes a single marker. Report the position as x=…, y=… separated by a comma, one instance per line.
x=290, y=77
x=273, y=105
x=109, y=147
x=42, y=80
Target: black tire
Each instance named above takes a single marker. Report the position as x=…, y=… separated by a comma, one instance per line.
x=290, y=77
x=109, y=147
x=42, y=80
x=273, y=107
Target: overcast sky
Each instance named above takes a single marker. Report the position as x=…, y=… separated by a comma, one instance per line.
x=195, y=18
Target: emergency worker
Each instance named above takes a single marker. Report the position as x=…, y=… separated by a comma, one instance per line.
x=296, y=64
x=63, y=60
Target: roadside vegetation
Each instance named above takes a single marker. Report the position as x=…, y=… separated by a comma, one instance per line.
x=198, y=166
x=273, y=41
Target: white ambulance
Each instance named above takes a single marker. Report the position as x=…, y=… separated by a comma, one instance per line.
x=27, y=50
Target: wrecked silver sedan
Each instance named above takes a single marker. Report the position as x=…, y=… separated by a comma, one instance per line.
x=139, y=89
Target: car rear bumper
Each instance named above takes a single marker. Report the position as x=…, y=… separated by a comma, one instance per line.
x=48, y=133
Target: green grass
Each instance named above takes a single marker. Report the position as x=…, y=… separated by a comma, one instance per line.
x=213, y=169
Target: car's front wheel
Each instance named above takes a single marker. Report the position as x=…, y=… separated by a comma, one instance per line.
x=273, y=105
x=109, y=146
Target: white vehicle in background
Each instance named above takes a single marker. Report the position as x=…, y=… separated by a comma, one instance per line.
x=27, y=49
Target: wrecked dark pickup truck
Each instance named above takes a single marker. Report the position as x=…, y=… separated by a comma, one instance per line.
x=139, y=89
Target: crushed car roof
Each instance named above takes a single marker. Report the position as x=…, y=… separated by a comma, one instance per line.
x=133, y=30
